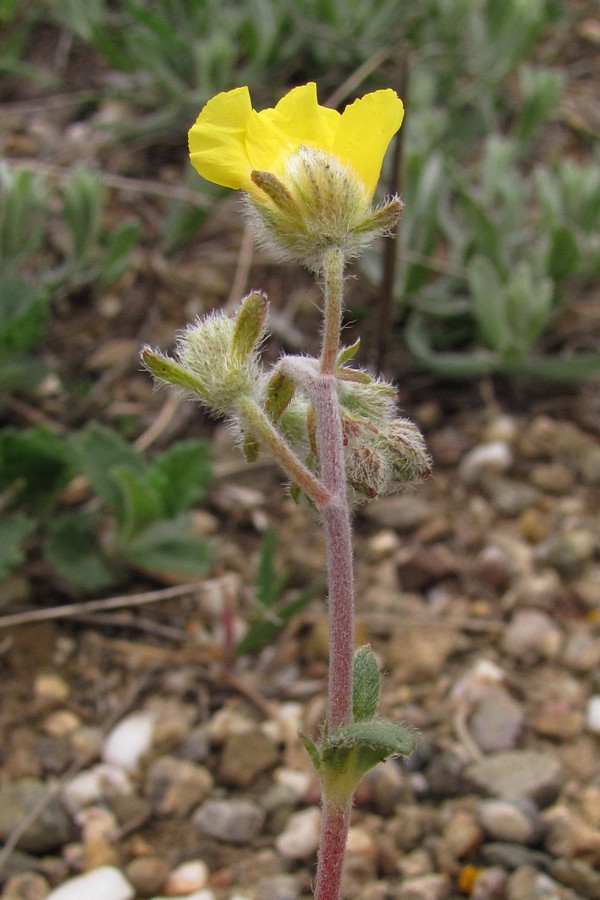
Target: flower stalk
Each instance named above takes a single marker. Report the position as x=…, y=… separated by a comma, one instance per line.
x=309, y=175
x=340, y=576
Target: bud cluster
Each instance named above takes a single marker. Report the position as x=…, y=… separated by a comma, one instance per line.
x=383, y=453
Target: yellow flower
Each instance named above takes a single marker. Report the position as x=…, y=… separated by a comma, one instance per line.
x=230, y=140
x=309, y=172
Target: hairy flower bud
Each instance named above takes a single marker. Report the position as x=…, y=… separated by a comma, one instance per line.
x=318, y=203
x=216, y=358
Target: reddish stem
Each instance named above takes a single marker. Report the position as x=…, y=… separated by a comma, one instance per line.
x=334, y=833
x=338, y=539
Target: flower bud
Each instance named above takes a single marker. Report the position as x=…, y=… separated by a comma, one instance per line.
x=216, y=358
x=318, y=204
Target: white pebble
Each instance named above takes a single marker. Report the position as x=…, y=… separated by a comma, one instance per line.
x=129, y=740
x=493, y=457
x=296, y=781
x=94, y=785
x=189, y=876
x=593, y=714
x=104, y=883
x=301, y=835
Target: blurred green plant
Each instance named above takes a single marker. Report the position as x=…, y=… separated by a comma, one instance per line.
x=136, y=517
x=516, y=250
x=271, y=612
x=23, y=313
x=32, y=234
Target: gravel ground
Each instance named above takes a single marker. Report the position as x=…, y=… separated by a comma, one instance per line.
x=159, y=768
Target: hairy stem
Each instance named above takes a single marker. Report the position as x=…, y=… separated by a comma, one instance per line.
x=333, y=290
x=338, y=539
x=334, y=833
x=267, y=434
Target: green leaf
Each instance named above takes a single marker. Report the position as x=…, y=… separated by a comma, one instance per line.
x=559, y=368
x=165, y=369
x=267, y=624
x=489, y=304
x=471, y=364
x=138, y=504
x=98, y=450
x=36, y=463
x=170, y=546
x=268, y=584
x=564, y=254
x=13, y=531
x=83, y=199
x=348, y=353
x=180, y=475
x=352, y=750
x=367, y=684
x=24, y=311
x=20, y=372
x=72, y=547
x=312, y=750
x=115, y=262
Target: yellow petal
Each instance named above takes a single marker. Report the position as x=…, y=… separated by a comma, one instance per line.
x=217, y=140
x=365, y=130
x=275, y=134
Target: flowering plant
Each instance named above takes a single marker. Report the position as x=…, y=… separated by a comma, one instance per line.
x=310, y=173
x=309, y=176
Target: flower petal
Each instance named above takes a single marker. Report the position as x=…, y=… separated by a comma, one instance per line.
x=366, y=128
x=217, y=140
x=297, y=120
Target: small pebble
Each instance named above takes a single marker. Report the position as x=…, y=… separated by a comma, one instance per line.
x=361, y=854
x=568, y=552
x=147, y=874
x=301, y=836
x=278, y=887
x=61, y=723
x=246, y=756
x=176, y=786
x=490, y=884
x=26, y=886
x=462, y=834
x=528, y=884
x=497, y=722
x=48, y=831
x=583, y=878
x=531, y=634
x=231, y=821
x=582, y=651
x=129, y=740
x=425, y=887
x=51, y=688
x=514, y=821
x=568, y=835
x=493, y=457
x=592, y=716
x=98, y=783
x=517, y=773
x=552, y=477
x=557, y=720
x=188, y=877
x=104, y=883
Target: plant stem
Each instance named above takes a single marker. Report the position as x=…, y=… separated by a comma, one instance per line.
x=334, y=834
x=287, y=459
x=333, y=291
x=338, y=539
